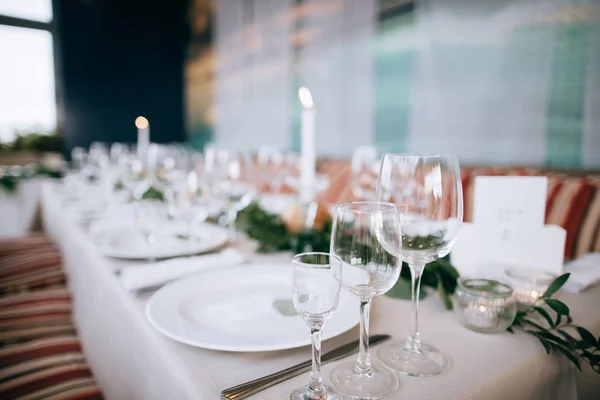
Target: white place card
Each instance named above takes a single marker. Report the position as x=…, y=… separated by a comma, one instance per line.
x=510, y=202
x=482, y=249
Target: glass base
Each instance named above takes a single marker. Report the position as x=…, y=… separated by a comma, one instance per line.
x=427, y=361
x=376, y=385
x=305, y=393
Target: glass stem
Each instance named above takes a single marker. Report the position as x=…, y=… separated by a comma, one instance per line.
x=151, y=242
x=192, y=239
x=315, y=384
x=413, y=341
x=232, y=218
x=363, y=364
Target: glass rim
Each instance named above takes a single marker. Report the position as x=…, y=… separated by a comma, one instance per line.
x=508, y=289
x=530, y=276
x=297, y=257
x=347, y=206
x=420, y=155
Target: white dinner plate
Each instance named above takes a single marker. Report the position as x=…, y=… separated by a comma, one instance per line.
x=124, y=241
x=246, y=309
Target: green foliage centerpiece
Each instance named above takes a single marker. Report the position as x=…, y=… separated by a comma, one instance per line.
x=10, y=177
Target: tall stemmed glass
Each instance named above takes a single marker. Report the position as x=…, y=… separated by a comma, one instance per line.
x=150, y=214
x=428, y=186
x=231, y=180
x=192, y=210
x=365, y=167
x=316, y=283
x=366, y=237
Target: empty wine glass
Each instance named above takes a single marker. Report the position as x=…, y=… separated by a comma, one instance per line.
x=429, y=188
x=366, y=237
x=192, y=210
x=79, y=158
x=150, y=214
x=230, y=178
x=365, y=168
x=116, y=149
x=316, y=283
x=270, y=162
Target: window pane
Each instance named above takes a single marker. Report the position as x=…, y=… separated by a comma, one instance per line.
x=27, y=96
x=37, y=10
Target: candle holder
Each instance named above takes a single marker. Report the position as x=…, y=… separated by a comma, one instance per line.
x=484, y=304
x=528, y=285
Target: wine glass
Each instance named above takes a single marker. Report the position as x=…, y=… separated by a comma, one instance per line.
x=366, y=237
x=230, y=179
x=116, y=149
x=316, y=284
x=429, y=187
x=365, y=167
x=79, y=158
x=150, y=214
x=191, y=209
x=270, y=162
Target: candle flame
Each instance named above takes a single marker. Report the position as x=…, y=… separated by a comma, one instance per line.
x=305, y=97
x=141, y=123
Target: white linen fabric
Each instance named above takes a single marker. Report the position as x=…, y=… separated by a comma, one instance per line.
x=18, y=209
x=137, y=277
x=130, y=360
x=585, y=272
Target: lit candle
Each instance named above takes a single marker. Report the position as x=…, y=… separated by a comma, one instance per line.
x=143, y=137
x=308, y=150
x=480, y=316
x=529, y=285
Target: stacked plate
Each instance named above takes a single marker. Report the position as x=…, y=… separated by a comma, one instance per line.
x=120, y=239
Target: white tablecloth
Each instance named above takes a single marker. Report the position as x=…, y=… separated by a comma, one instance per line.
x=18, y=209
x=131, y=360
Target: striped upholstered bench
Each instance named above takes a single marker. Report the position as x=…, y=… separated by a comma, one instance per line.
x=40, y=355
x=30, y=269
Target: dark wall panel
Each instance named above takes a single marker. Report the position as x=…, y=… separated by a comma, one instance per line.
x=118, y=60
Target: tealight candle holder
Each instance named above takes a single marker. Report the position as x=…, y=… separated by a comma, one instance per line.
x=528, y=285
x=484, y=304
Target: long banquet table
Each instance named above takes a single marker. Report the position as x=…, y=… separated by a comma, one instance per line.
x=131, y=360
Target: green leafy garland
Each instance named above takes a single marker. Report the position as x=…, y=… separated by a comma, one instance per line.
x=10, y=183
x=548, y=320
x=557, y=335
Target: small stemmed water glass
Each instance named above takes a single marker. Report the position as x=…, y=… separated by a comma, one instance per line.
x=428, y=187
x=366, y=237
x=149, y=215
x=316, y=283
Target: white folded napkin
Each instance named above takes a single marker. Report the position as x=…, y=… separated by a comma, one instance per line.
x=138, y=277
x=585, y=272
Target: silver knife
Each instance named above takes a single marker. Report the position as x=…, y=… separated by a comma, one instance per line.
x=249, y=388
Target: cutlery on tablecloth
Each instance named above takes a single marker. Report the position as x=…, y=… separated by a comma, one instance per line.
x=249, y=388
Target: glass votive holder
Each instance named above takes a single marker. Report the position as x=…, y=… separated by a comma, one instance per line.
x=528, y=285
x=484, y=304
